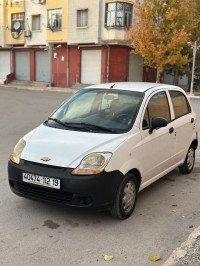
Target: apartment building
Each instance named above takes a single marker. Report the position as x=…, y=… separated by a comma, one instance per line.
x=98, y=50
x=2, y=7
x=116, y=20
x=5, y=54
x=28, y=40
x=57, y=17
x=67, y=42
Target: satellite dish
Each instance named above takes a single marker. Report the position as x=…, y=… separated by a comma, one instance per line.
x=17, y=25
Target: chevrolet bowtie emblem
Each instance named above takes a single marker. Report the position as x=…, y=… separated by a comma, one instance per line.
x=45, y=159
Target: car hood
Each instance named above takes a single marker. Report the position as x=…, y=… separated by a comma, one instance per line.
x=67, y=148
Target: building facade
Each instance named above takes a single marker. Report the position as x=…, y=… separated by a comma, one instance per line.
x=97, y=41
x=5, y=54
x=68, y=42
x=57, y=36
x=2, y=22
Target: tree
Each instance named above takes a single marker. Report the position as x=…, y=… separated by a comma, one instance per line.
x=160, y=30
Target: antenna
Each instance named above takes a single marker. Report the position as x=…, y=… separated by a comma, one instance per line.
x=112, y=86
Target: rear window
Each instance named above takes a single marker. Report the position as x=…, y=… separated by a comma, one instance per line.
x=180, y=103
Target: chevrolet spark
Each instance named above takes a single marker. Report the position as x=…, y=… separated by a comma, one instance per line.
x=104, y=144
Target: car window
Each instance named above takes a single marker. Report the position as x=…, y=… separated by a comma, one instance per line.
x=157, y=107
x=180, y=103
x=145, y=123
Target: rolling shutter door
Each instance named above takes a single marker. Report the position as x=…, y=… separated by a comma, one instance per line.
x=22, y=65
x=42, y=66
x=4, y=64
x=91, y=67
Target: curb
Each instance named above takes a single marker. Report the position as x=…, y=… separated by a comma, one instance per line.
x=43, y=89
x=187, y=253
x=64, y=90
x=192, y=96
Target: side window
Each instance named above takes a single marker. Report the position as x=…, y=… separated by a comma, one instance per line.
x=180, y=103
x=157, y=107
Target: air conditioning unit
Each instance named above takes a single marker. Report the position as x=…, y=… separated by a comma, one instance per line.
x=15, y=35
x=27, y=33
x=41, y=2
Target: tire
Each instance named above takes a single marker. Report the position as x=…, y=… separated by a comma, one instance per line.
x=188, y=164
x=125, y=199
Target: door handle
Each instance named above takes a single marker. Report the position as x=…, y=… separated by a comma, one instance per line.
x=171, y=130
x=192, y=120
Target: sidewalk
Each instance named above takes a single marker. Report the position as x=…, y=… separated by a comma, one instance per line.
x=69, y=90
x=188, y=253
x=33, y=88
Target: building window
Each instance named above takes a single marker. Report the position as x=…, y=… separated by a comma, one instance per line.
x=15, y=2
x=82, y=18
x=118, y=15
x=36, y=22
x=55, y=19
x=17, y=22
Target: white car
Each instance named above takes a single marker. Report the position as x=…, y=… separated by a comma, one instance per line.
x=104, y=144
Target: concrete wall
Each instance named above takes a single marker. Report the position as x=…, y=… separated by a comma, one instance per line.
x=89, y=34
x=38, y=36
x=59, y=66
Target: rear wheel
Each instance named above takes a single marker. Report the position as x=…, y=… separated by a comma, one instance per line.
x=125, y=200
x=188, y=164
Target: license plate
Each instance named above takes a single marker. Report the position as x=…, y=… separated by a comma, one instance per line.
x=41, y=180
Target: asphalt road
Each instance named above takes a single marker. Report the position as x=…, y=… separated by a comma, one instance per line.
x=34, y=233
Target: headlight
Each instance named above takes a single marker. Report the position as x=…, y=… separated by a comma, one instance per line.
x=15, y=155
x=93, y=163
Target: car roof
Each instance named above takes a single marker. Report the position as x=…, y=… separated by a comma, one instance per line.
x=132, y=86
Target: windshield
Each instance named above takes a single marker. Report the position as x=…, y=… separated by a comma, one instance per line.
x=99, y=110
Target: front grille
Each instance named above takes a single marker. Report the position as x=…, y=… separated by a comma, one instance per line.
x=44, y=194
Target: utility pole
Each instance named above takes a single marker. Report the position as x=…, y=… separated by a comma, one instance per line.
x=195, y=48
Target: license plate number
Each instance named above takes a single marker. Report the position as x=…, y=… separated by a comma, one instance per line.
x=41, y=180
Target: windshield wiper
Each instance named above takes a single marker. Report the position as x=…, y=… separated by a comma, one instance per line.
x=60, y=122
x=91, y=126
x=81, y=125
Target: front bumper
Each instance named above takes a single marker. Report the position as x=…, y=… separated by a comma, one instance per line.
x=92, y=191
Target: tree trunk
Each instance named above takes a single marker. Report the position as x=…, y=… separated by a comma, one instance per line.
x=176, y=77
x=158, y=76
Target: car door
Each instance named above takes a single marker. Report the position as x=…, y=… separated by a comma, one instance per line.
x=158, y=148
x=183, y=122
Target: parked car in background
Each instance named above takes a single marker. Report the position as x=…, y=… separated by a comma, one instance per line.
x=104, y=144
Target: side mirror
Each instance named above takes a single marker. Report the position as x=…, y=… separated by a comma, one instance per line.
x=157, y=122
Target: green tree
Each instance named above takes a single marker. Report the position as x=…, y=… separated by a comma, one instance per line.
x=160, y=31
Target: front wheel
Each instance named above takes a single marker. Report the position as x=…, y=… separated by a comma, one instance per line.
x=125, y=199
x=188, y=164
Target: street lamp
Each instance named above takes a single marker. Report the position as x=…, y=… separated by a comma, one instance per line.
x=195, y=48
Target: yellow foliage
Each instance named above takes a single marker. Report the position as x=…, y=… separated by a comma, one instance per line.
x=160, y=31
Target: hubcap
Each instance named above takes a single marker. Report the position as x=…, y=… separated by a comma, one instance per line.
x=190, y=159
x=128, y=199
